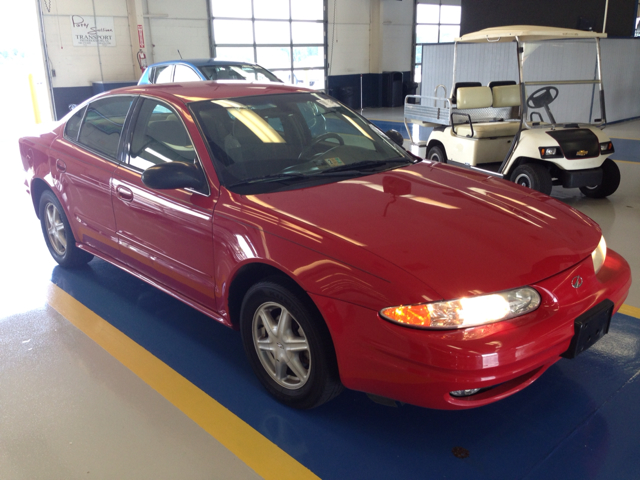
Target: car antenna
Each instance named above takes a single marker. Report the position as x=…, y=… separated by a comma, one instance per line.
x=179, y=54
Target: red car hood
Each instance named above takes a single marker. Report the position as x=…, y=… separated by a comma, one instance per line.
x=461, y=233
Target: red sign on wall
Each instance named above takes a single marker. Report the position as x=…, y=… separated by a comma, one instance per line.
x=140, y=36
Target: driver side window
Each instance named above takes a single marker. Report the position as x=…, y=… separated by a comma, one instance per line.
x=159, y=136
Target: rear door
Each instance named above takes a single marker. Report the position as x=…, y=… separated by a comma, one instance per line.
x=83, y=162
x=167, y=234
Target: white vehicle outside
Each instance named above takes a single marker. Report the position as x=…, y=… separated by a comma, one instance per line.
x=512, y=129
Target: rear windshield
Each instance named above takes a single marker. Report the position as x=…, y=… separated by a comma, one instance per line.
x=276, y=142
x=250, y=73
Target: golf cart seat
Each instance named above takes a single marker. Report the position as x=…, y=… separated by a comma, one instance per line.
x=471, y=98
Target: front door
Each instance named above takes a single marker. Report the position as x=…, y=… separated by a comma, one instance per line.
x=166, y=234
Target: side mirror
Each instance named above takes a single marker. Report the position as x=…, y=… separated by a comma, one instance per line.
x=173, y=175
x=395, y=136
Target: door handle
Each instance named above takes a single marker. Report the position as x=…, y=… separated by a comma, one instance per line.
x=61, y=166
x=124, y=193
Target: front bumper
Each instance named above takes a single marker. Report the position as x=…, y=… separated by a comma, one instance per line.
x=421, y=367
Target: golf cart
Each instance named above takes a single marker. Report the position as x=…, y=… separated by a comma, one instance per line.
x=541, y=127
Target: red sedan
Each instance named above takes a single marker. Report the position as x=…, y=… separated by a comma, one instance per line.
x=341, y=258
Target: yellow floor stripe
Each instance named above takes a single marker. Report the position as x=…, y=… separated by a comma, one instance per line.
x=629, y=310
x=259, y=453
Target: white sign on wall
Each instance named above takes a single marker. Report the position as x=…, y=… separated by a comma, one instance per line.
x=89, y=31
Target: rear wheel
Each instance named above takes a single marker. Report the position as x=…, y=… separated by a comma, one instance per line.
x=534, y=176
x=436, y=154
x=288, y=345
x=57, y=233
x=610, y=181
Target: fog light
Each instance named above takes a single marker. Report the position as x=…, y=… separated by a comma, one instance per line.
x=464, y=393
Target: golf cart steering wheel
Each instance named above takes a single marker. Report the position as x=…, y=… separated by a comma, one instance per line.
x=542, y=97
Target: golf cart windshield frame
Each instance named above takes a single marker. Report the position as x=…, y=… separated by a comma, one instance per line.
x=534, y=38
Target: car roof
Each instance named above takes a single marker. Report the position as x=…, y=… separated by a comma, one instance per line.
x=201, y=62
x=188, y=92
x=526, y=33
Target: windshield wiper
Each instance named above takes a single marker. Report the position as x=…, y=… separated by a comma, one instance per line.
x=273, y=177
x=368, y=165
x=278, y=177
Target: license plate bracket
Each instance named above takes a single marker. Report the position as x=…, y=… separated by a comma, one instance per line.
x=590, y=327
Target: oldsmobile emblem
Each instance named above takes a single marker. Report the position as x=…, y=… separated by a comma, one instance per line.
x=576, y=282
x=582, y=153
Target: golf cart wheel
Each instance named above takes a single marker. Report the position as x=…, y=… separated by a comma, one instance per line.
x=610, y=181
x=534, y=176
x=436, y=154
x=288, y=345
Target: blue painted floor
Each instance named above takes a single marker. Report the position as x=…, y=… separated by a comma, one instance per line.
x=579, y=420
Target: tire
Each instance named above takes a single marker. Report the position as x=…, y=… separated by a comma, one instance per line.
x=288, y=345
x=436, y=154
x=610, y=181
x=534, y=176
x=57, y=233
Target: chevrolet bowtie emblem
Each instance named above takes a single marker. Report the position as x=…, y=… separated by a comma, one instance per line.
x=582, y=153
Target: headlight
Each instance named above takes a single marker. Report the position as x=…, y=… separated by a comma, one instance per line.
x=599, y=255
x=550, y=152
x=465, y=312
x=606, y=147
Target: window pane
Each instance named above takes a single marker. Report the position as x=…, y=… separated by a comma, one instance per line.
x=272, y=32
x=428, y=13
x=159, y=137
x=309, y=78
x=427, y=34
x=235, y=9
x=419, y=54
x=185, y=74
x=274, y=57
x=103, y=124
x=307, y=32
x=450, y=14
x=417, y=74
x=233, y=31
x=73, y=125
x=163, y=74
x=284, y=75
x=448, y=33
x=307, y=9
x=308, y=57
x=236, y=54
x=270, y=9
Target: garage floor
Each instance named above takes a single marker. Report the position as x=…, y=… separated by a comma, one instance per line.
x=103, y=376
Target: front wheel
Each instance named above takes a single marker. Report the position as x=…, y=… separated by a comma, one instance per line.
x=57, y=233
x=534, y=176
x=610, y=181
x=288, y=346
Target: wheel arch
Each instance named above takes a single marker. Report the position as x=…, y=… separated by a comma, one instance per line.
x=436, y=143
x=255, y=272
x=38, y=187
x=521, y=161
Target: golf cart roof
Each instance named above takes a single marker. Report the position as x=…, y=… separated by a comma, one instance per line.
x=526, y=33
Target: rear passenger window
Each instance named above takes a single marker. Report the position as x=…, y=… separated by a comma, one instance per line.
x=102, y=125
x=159, y=136
x=185, y=74
x=163, y=74
x=73, y=125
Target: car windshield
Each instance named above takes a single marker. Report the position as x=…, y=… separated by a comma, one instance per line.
x=560, y=80
x=285, y=141
x=238, y=72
